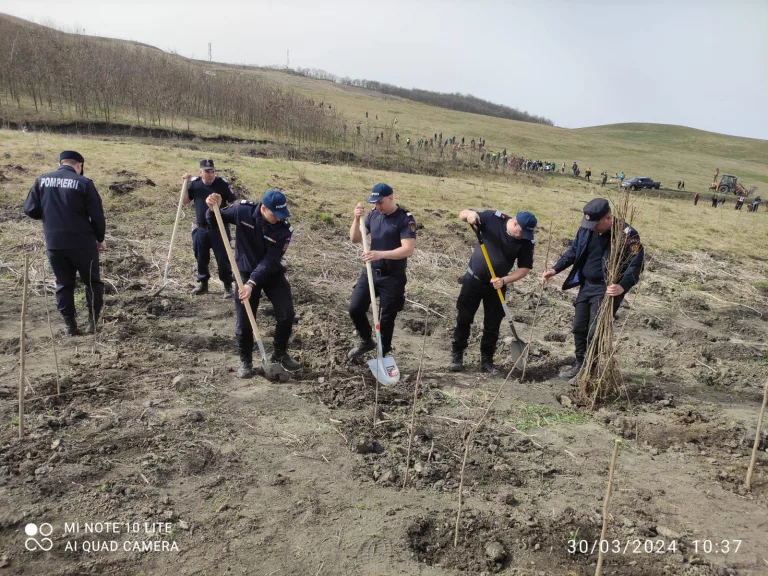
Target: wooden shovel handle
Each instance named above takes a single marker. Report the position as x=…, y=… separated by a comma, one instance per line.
x=184, y=188
x=369, y=270
x=235, y=271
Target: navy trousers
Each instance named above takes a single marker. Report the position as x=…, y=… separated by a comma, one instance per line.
x=587, y=306
x=278, y=291
x=473, y=292
x=203, y=241
x=391, y=292
x=66, y=265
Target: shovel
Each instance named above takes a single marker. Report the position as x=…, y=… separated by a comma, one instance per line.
x=184, y=187
x=517, y=347
x=272, y=370
x=383, y=368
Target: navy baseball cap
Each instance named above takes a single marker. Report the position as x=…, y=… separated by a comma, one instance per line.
x=594, y=210
x=207, y=165
x=71, y=155
x=277, y=203
x=527, y=222
x=380, y=191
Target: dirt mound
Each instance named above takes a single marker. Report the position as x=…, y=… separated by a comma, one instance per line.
x=130, y=182
x=731, y=351
x=125, y=264
x=18, y=168
x=242, y=191
x=416, y=326
x=490, y=543
x=485, y=545
x=555, y=337
x=437, y=451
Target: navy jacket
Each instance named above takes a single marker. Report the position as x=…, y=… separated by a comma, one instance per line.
x=387, y=233
x=576, y=255
x=259, y=245
x=70, y=208
x=198, y=191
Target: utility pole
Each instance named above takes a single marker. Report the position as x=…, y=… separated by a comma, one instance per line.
x=209, y=52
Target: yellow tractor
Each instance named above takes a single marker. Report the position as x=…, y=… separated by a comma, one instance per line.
x=730, y=184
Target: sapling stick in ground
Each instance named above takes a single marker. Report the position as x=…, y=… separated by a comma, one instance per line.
x=50, y=328
x=753, y=460
x=415, y=397
x=607, y=500
x=470, y=438
x=22, y=348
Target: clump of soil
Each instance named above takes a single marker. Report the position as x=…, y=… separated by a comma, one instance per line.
x=15, y=168
x=555, y=337
x=416, y=326
x=125, y=264
x=436, y=456
x=130, y=183
x=485, y=542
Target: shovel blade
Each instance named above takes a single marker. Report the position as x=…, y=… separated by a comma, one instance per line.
x=385, y=370
x=516, y=350
x=274, y=371
x=157, y=292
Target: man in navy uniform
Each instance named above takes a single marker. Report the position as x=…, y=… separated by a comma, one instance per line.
x=73, y=221
x=205, y=239
x=509, y=241
x=393, y=239
x=261, y=239
x=589, y=255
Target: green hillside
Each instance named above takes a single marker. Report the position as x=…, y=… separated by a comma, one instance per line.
x=663, y=152
x=682, y=138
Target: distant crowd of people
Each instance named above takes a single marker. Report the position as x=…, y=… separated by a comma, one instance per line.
x=521, y=163
x=718, y=200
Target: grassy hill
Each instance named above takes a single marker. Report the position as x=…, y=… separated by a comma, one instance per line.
x=663, y=152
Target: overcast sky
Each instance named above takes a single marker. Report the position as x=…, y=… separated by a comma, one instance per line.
x=699, y=63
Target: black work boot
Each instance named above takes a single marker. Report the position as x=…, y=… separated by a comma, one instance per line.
x=362, y=348
x=201, y=288
x=487, y=366
x=457, y=361
x=570, y=371
x=92, y=321
x=227, y=290
x=71, y=326
x=281, y=357
x=246, y=367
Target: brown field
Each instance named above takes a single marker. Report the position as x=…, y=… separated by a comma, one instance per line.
x=260, y=478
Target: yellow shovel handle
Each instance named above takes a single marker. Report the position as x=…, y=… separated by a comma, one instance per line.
x=490, y=268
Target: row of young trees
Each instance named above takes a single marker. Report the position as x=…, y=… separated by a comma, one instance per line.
x=98, y=78
x=455, y=101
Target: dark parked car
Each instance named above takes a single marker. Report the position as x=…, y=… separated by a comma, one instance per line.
x=640, y=182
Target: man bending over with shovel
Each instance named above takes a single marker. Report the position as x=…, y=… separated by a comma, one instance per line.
x=393, y=238
x=262, y=235
x=507, y=240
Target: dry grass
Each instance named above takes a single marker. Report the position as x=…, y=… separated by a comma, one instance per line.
x=142, y=220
